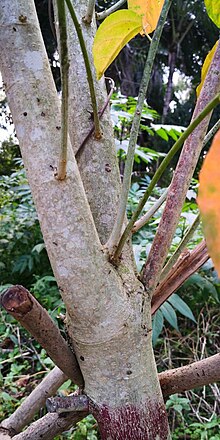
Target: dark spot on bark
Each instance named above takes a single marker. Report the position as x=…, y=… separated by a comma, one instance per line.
x=25, y=113
x=82, y=358
x=58, y=127
x=107, y=168
x=129, y=372
x=197, y=374
x=38, y=99
x=14, y=29
x=109, y=271
x=203, y=372
x=54, y=242
x=22, y=18
x=42, y=114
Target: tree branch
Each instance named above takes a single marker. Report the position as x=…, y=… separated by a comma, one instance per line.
x=187, y=264
x=101, y=112
x=120, y=218
x=146, y=217
x=36, y=400
x=115, y=7
x=49, y=426
x=178, y=144
x=172, y=260
x=33, y=317
x=191, y=376
x=64, y=68
x=98, y=133
x=181, y=180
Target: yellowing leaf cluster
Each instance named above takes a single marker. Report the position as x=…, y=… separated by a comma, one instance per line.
x=120, y=27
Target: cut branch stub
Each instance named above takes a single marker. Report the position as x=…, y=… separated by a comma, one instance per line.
x=66, y=404
x=19, y=302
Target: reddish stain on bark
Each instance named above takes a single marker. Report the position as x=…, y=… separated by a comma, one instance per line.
x=132, y=423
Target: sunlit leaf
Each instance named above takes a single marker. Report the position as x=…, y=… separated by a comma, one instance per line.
x=112, y=35
x=205, y=67
x=213, y=10
x=149, y=10
x=209, y=200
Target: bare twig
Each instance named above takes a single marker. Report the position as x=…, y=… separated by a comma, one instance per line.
x=115, y=7
x=32, y=316
x=101, y=112
x=36, y=400
x=190, y=376
x=163, y=166
x=180, y=248
x=181, y=180
x=146, y=217
x=120, y=217
x=211, y=133
x=98, y=133
x=186, y=265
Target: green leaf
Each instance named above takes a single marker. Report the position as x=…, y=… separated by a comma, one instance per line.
x=169, y=314
x=213, y=10
x=38, y=248
x=158, y=322
x=112, y=35
x=181, y=306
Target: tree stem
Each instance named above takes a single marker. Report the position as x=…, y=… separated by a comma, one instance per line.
x=64, y=68
x=115, y=7
x=98, y=134
x=146, y=217
x=89, y=13
x=178, y=144
x=120, y=217
x=180, y=248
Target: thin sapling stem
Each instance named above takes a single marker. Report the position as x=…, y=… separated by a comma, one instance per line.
x=115, y=7
x=180, y=248
x=178, y=144
x=64, y=68
x=98, y=133
x=120, y=217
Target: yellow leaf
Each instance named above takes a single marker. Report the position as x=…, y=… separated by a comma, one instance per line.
x=209, y=200
x=213, y=9
x=205, y=67
x=112, y=35
x=150, y=12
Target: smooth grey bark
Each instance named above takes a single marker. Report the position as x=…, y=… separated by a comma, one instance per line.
x=97, y=160
x=108, y=311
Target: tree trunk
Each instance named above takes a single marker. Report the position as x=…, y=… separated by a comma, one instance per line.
x=108, y=311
